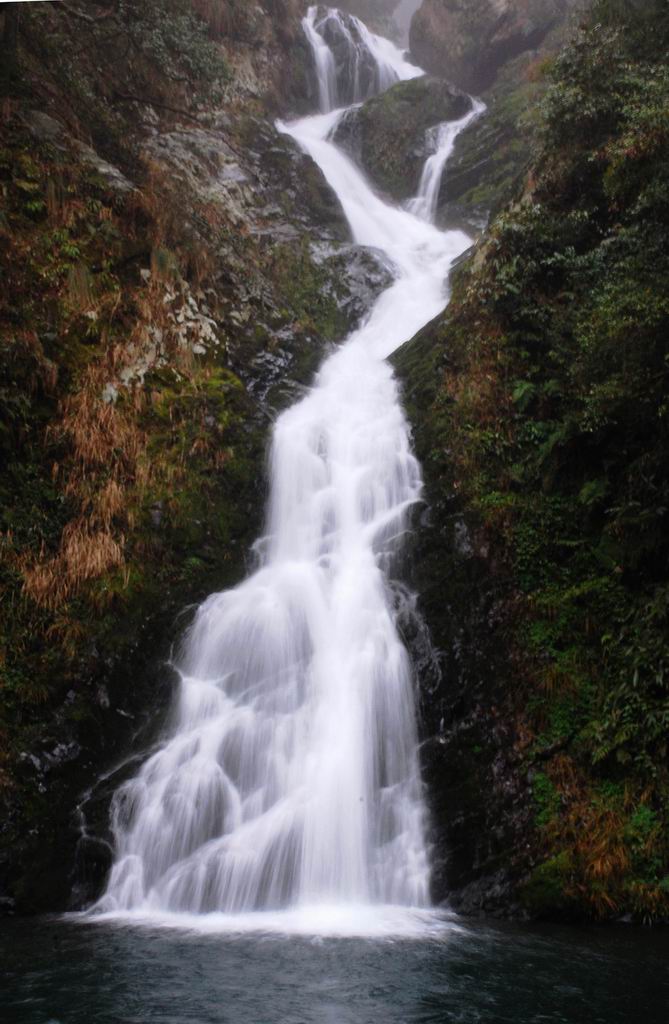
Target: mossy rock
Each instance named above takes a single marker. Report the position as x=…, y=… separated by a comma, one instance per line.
x=387, y=135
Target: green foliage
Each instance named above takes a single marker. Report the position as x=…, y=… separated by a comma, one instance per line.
x=634, y=723
x=112, y=65
x=544, y=894
x=633, y=14
x=174, y=39
x=558, y=419
x=547, y=799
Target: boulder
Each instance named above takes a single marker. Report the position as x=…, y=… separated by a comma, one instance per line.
x=387, y=135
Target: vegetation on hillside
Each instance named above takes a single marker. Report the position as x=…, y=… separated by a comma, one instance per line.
x=135, y=297
x=555, y=409
x=74, y=51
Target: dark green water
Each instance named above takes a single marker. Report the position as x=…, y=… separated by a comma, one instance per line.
x=59, y=972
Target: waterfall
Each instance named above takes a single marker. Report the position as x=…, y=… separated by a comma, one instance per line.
x=441, y=140
x=289, y=780
x=324, y=63
x=351, y=63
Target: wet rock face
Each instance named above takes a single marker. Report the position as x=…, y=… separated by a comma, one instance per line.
x=476, y=785
x=477, y=793
x=265, y=50
x=487, y=161
x=468, y=41
x=476, y=177
x=387, y=136
x=61, y=861
x=357, y=276
x=257, y=202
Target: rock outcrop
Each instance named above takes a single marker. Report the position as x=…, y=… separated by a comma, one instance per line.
x=468, y=41
x=387, y=135
x=479, y=796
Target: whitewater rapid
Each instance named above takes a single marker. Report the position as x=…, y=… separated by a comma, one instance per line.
x=287, y=794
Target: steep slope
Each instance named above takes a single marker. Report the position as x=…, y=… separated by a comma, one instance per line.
x=163, y=294
x=543, y=568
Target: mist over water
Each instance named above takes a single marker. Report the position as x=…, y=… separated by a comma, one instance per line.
x=403, y=16
x=287, y=796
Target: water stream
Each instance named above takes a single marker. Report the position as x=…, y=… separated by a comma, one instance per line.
x=287, y=794
x=441, y=139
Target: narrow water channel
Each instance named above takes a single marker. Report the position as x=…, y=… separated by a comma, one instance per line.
x=289, y=779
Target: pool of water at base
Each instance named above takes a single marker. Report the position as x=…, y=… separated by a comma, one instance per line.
x=63, y=971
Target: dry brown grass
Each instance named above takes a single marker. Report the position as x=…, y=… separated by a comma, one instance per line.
x=218, y=15
x=64, y=209
x=80, y=288
x=105, y=471
x=102, y=466
x=68, y=633
x=595, y=830
x=101, y=434
x=151, y=211
x=104, y=446
x=84, y=555
x=109, y=504
x=602, y=854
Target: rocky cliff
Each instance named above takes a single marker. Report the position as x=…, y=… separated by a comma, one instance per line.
x=468, y=41
x=165, y=291
x=539, y=404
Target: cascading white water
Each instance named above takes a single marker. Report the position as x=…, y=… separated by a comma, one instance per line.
x=369, y=64
x=290, y=779
x=442, y=140
x=324, y=63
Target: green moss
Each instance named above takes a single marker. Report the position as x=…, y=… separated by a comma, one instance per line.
x=545, y=893
x=547, y=799
x=308, y=289
x=387, y=134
